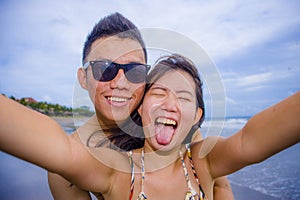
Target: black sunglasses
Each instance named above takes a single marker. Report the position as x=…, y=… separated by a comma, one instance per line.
x=106, y=70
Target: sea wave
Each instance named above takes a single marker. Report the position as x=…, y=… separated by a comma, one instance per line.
x=223, y=127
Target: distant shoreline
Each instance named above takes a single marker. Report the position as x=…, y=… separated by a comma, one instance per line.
x=69, y=122
x=65, y=121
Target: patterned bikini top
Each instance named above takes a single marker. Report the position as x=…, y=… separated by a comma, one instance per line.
x=191, y=194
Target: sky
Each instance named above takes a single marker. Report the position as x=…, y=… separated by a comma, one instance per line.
x=254, y=45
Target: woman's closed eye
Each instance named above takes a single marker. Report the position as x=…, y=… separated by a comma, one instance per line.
x=182, y=98
x=184, y=95
x=160, y=92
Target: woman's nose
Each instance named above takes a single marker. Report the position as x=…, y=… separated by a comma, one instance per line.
x=170, y=103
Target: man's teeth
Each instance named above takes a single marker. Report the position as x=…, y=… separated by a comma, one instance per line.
x=118, y=99
x=166, y=121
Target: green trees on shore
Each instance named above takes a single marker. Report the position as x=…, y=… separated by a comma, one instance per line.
x=53, y=109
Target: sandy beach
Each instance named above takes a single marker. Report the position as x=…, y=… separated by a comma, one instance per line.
x=70, y=123
x=65, y=121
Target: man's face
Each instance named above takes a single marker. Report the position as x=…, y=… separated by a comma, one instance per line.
x=114, y=100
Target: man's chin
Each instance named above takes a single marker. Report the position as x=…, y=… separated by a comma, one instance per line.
x=109, y=117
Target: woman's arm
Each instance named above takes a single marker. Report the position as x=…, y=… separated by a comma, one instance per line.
x=264, y=135
x=38, y=139
x=63, y=189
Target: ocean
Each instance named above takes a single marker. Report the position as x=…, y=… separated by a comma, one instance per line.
x=276, y=178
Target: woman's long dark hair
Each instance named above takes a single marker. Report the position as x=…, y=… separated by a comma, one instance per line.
x=124, y=137
x=129, y=135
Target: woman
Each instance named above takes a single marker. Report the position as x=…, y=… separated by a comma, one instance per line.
x=162, y=169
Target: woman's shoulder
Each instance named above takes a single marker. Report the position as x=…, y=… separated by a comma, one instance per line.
x=203, y=147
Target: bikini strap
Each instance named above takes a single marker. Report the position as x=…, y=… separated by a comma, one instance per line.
x=202, y=194
x=143, y=170
x=142, y=195
x=186, y=174
x=132, y=174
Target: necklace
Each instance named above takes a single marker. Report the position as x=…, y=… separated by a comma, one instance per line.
x=191, y=194
x=142, y=195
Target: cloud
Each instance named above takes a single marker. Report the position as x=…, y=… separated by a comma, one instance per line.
x=255, y=44
x=224, y=27
x=259, y=81
x=47, y=98
x=231, y=101
x=254, y=79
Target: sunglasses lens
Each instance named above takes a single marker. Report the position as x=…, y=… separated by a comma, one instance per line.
x=107, y=71
x=136, y=73
x=104, y=71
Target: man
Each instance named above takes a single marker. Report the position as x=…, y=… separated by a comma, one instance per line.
x=115, y=94
x=113, y=99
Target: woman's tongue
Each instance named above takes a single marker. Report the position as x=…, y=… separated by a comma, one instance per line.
x=164, y=134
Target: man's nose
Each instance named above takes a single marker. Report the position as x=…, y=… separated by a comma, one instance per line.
x=120, y=81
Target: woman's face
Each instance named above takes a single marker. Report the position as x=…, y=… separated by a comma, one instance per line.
x=169, y=110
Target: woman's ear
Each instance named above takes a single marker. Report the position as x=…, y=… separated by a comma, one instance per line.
x=82, y=77
x=198, y=115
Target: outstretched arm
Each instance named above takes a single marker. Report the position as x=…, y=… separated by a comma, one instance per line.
x=264, y=135
x=38, y=139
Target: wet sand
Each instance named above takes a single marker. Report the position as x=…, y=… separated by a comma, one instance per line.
x=244, y=193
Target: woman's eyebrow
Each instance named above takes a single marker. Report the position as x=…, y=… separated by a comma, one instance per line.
x=184, y=92
x=157, y=86
x=164, y=88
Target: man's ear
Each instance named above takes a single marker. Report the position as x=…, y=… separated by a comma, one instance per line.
x=82, y=77
x=140, y=110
